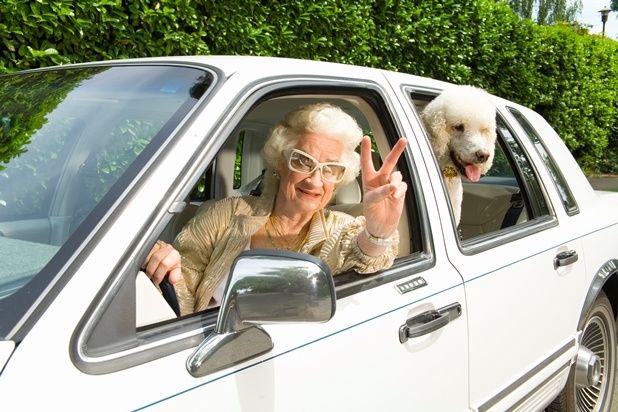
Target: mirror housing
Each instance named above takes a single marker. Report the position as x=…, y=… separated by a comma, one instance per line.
x=264, y=287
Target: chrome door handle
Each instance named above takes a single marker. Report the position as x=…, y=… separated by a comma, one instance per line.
x=565, y=258
x=428, y=322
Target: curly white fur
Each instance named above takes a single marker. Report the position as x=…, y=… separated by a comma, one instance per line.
x=462, y=125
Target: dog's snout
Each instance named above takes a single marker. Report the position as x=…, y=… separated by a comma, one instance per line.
x=482, y=156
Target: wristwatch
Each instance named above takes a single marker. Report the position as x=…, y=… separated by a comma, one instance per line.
x=378, y=241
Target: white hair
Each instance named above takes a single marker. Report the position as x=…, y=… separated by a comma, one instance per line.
x=319, y=118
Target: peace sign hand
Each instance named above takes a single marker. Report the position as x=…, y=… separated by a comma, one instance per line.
x=384, y=192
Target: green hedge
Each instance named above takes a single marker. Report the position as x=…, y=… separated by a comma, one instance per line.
x=568, y=77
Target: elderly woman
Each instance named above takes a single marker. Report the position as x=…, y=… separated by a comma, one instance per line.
x=308, y=156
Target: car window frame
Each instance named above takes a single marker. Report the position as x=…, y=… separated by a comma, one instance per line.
x=22, y=309
x=536, y=196
x=562, y=187
x=350, y=282
x=499, y=237
x=154, y=341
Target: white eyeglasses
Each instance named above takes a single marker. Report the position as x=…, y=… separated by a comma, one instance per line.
x=301, y=162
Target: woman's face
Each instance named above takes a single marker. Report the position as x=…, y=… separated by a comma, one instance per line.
x=302, y=193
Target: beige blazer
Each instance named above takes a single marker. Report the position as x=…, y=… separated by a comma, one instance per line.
x=211, y=241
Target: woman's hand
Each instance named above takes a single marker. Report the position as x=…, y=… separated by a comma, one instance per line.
x=163, y=259
x=384, y=191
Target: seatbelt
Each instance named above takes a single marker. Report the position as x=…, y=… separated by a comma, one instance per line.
x=511, y=216
x=258, y=188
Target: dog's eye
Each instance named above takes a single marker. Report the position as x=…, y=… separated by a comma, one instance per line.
x=459, y=127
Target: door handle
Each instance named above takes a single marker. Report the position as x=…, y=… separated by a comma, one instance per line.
x=565, y=258
x=428, y=322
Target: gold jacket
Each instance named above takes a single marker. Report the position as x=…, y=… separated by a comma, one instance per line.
x=210, y=242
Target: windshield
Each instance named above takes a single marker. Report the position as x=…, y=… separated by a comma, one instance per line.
x=66, y=138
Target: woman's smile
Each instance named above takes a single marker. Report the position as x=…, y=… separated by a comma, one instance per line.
x=305, y=194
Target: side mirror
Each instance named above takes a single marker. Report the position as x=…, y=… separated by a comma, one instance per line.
x=265, y=286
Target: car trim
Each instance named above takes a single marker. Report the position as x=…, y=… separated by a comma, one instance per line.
x=497, y=398
x=560, y=184
x=504, y=236
x=604, y=273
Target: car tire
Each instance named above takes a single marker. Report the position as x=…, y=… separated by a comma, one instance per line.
x=600, y=337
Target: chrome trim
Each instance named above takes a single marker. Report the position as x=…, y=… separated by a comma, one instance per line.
x=603, y=274
x=153, y=344
x=587, y=368
x=489, y=404
x=264, y=287
x=520, y=404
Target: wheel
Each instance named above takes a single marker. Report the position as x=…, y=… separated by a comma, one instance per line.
x=600, y=337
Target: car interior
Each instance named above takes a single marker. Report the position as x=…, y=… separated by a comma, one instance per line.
x=241, y=153
x=238, y=167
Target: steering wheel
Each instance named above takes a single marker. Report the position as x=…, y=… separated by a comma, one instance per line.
x=169, y=294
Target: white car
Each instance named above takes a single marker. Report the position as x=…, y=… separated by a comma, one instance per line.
x=512, y=310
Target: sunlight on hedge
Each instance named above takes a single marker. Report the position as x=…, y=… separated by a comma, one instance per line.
x=563, y=73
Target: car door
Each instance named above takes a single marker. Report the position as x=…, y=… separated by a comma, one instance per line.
x=522, y=301
x=530, y=276
x=362, y=358
x=395, y=334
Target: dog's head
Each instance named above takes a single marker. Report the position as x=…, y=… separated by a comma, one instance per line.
x=462, y=126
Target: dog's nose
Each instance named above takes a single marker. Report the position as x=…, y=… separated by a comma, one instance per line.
x=482, y=156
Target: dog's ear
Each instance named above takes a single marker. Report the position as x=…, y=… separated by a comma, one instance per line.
x=435, y=123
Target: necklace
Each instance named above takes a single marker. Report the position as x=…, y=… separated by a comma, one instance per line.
x=295, y=246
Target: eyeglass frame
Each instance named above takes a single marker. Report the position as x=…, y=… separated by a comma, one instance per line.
x=288, y=154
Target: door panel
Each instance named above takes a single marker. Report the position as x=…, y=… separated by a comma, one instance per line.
x=355, y=361
x=520, y=308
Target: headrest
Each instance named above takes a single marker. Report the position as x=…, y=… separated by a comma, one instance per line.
x=350, y=193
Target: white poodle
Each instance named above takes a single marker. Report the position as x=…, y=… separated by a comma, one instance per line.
x=462, y=125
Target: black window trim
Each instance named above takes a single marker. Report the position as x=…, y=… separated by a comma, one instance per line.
x=549, y=161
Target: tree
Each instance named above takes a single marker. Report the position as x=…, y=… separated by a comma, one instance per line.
x=548, y=12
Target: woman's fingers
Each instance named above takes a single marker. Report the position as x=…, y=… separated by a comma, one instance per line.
x=395, y=187
x=384, y=191
x=401, y=190
x=163, y=259
x=366, y=161
x=154, y=249
x=377, y=195
x=390, y=161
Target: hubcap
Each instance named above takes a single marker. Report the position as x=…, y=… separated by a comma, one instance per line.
x=595, y=339
x=587, y=368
